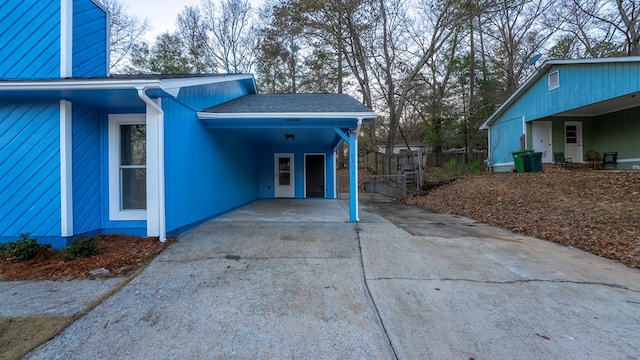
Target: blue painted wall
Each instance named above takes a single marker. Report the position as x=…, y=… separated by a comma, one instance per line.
x=505, y=139
x=267, y=169
x=90, y=48
x=30, y=39
x=207, y=173
x=87, y=170
x=29, y=169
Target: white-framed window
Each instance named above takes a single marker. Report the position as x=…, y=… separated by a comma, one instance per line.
x=554, y=80
x=127, y=167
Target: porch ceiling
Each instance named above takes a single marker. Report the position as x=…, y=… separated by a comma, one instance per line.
x=317, y=137
x=616, y=104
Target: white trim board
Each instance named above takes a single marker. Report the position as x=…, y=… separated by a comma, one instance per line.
x=66, y=169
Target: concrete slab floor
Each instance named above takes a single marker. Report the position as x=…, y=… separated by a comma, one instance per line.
x=462, y=295
x=290, y=279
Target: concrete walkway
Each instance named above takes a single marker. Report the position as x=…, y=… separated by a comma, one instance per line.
x=292, y=280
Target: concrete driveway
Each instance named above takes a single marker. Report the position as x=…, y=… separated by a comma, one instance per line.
x=291, y=279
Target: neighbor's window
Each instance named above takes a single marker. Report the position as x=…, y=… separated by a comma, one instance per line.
x=554, y=80
x=127, y=167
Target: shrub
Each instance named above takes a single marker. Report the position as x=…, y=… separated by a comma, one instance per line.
x=26, y=248
x=475, y=166
x=451, y=165
x=80, y=247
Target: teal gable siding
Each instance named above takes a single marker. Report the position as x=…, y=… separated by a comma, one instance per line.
x=30, y=39
x=207, y=173
x=580, y=85
x=30, y=169
x=87, y=171
x=90, y=23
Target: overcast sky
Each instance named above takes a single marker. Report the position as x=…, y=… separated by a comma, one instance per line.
x=162, y=13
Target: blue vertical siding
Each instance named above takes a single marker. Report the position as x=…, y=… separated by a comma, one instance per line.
x=207, y=173
x=505, y=138
x=30, y=169
x=267, y=169
x=90, y=38
x=87, y=170
x=30, y=39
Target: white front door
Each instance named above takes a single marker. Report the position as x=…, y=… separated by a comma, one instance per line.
x=573, y=141
x=541, y=135
x=284, y=176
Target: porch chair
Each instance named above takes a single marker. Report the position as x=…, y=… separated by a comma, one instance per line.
x=563, y=162
x=610, y=158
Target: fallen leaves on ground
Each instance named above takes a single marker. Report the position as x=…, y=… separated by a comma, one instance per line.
x=120, y=254
x=597, y=211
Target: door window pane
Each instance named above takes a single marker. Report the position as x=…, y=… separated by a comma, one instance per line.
x=284, y=178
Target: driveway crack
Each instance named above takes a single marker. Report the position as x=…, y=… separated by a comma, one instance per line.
x=616, y=286
x=366, y=284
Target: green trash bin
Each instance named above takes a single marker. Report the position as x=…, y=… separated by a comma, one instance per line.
x=518, y=159
x=533, y=162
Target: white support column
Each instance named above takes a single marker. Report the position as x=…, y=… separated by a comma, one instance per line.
x=66, y=169
x=66, y=38
x=353, y=177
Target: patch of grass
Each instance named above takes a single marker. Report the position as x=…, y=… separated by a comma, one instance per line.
x=19, y=335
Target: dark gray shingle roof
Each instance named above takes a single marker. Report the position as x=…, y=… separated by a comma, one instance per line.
x=291, y=103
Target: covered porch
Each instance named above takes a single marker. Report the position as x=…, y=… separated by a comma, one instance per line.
x=295, y=138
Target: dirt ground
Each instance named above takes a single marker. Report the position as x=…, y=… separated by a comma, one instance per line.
x=121, y=255
x=594, y=210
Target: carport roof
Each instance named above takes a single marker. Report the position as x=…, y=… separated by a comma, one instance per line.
x=286, y=105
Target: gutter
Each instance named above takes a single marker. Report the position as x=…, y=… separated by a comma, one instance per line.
x=288, y=115
x=161, y=171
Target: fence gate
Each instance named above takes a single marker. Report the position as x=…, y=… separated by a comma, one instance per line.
x=376, y=188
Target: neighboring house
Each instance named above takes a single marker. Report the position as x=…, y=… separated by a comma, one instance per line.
x=86, y=152
x=398, y=148
x=573, y=107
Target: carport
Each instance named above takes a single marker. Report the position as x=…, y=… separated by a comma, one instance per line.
x=296, y=137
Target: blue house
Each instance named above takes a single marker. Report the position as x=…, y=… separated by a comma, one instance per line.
x=573, y=107
x=83, y=151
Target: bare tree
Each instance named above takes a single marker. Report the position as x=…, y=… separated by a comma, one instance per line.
x=126, y=32
x=517, y=35
x=231, y=37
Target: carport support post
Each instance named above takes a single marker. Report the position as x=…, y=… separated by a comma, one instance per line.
x=353, y=176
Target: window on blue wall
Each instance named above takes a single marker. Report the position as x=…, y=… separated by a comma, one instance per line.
x=127, y=167
x=133, y=169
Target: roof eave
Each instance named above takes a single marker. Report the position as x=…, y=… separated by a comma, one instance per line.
x=170, y=86
x=288, y=115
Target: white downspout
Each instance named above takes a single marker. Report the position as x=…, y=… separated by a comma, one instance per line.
x=160, y=133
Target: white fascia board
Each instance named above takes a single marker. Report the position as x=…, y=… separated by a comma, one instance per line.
x=78, y=85
x=286, y=115
x=173, y=86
